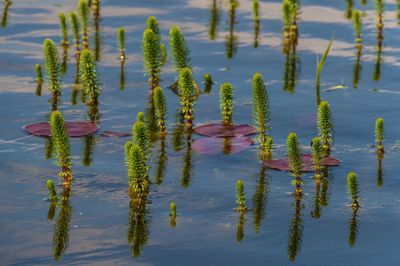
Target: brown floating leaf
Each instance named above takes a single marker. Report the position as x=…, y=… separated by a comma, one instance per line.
x=306, y=159
x=213, y=145
x=114, y=134
x=220, y=130
x=74, y=129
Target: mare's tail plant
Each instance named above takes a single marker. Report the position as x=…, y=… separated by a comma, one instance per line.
x=60, y=140
x=316, y=156
x=84, y=16
x=160, y=105
x=52, y=65
x=89, y=77
x=39, y=74
x=226, y=103
x=64, y=31
x=208, y=82
x=352, y=189
x=152, y=56
x=172, y=213
x=357, y=25
x=188, y=95
x=294, y=157
x=256, y=15
x=325, y=127
x=52, y=191
x=379, y=130
x=75, y=26
x=262, y=115
x=141, y=135
x=121, y=44
x=138, y=172
x=379, y=18
x=240, y=197
x=179, y=49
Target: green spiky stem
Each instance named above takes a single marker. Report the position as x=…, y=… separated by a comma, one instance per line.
x=188, y=94
x=52, y=66
x=64, y=32
x=89, y=77
x=226, y=103
x=140, y=134
x=121, y=45
x=160, y=110
x=240, y=197
x=62, y=149
x=39, y=75
x=352, y=189
x=152, y=56
x=52, y=190
x=84, y=13
x=295, y=164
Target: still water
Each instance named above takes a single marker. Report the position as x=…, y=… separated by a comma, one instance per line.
x=99, y=228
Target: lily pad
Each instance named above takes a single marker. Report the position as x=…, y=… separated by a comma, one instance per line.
x=114, y=134
x=306, y=159
x=74, y=129
x=221, y=131
x=214, y=145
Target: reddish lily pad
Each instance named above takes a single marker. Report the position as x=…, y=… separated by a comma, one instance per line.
x=214, y=146
x=74, y=129
x=114, y=134
x=221, y=131
x=306, y=159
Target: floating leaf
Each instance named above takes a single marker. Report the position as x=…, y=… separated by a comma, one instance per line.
x=306, y=160
x=220, y=130
x=74, y=129
x=214, y=145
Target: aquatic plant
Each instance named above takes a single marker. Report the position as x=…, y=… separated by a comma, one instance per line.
x=208, y=82
x=7, y=4
x=214, y=20
x=226, y=103
x=379, y=15
x=179, y=49
x=52, y=190
x=353, y=228
x=164, y=54
x=89, y=77
x=140, y=134
x=138, y=172
x=188, y=95
x=152, y=54
x=352, y=189
x=379, y=130
x=357, y=25
x=96, y=21
x=61, y=146
x=64, y=31
x=325, y=127
x=262, y=115
x=398, y=12
x=84, y=16
x=289, y=18
x=160, y=105
x=349, y=8
x=138, y=231
x=52, y=66
x=256, y=19
x=240, y=197
x=240, y=226
x=295, y=165
x=379, y=179
x=61, y=228
x=295, y=232
x=39, y=75
x=316, y=147
x=260, y=199
x=75, y=26
x=320, y=66
x=121, y=44
x=172, y=213
x=231, y=39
